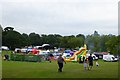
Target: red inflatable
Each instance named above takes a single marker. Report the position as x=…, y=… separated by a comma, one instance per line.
x=34, y=51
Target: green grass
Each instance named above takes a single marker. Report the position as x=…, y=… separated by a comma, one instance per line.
x=16, y=69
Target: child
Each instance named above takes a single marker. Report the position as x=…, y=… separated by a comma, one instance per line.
x=85, y=64
x=97, y=64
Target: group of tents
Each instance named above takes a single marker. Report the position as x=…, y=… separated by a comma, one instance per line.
x=69, y=54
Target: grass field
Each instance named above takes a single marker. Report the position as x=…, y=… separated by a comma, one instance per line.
x=16, y=69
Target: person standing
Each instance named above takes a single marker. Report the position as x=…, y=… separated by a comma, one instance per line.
x=50, y=59
x=60, y=61
x=6, y=57
x=90, y=60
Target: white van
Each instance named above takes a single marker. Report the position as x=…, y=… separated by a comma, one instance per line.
x=110, y=58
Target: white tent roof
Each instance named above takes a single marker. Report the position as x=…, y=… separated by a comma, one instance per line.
x=45, y=45
x=4, y=47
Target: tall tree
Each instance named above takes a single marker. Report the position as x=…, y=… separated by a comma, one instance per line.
x=82, y=38
x=26, y=40
x=113, y=44
x=12, y=39
x=103, y=40
x=34, y=39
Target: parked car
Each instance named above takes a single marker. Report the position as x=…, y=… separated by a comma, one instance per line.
x=17, y=50
x=66, y=55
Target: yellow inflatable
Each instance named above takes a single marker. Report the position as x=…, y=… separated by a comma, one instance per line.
x=82, y=51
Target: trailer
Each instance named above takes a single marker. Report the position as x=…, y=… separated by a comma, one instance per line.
x=110, y=58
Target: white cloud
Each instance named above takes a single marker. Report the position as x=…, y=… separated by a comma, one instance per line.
x=61, y=16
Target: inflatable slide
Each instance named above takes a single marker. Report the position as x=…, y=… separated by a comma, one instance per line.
x=82, y=51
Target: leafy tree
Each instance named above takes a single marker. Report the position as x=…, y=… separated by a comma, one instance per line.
x=113, y=45
x=96, y=33
x=96, y=40
x=57, y=41
x=76, y=42
x=53, y=40
x=71, y=42
x=93, y=42
x=12, y=39
x=34, y=39
x=118, y=46
x=26, y=40
x=82, y=39
x=8, y=29
x=44, y=39
x=81, y=35
x=103, y=40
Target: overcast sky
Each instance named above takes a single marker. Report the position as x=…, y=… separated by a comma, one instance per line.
x=64, y=17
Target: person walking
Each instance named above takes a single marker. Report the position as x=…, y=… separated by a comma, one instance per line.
x=90, y=60
x=60, y=61
x=85, y=64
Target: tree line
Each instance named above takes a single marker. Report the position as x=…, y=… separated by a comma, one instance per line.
x=95, y=42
